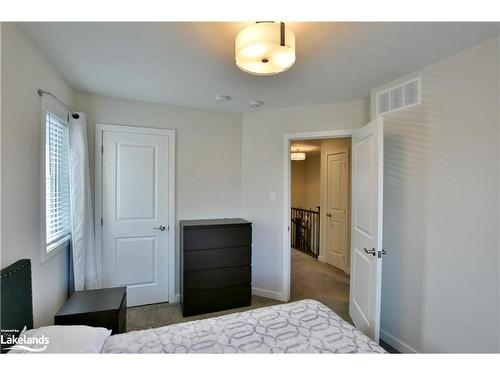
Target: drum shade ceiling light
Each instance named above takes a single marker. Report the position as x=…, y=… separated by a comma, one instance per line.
x=265, y=48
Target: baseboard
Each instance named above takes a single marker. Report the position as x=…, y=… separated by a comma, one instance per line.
x=177, y=298
x=322, y=259
x=268, y=294
x=397, y=344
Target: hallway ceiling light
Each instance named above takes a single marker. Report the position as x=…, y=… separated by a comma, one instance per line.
x=265, y=48
x=298, y=155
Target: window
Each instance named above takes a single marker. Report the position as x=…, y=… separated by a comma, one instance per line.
x=57, y=203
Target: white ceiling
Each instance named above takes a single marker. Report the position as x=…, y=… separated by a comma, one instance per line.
x=189, y=63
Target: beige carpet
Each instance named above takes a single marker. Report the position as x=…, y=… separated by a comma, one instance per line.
x=320, y=281
x=310, y=279
x=163, y=314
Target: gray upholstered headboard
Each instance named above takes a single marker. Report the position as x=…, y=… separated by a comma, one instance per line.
x=16, y=298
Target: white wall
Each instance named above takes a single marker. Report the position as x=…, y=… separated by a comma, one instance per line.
x=298, y=186
x=305, y=178
x=208, y=151
x=262, y=173
x=440, y=285
x=24, y=70
x=1, y=263
x=498, y=272
x=313, y=163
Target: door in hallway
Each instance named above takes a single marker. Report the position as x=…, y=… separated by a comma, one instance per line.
x=337, y=208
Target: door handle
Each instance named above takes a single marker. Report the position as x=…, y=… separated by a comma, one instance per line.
x=160, y=228
x=369, y=251
x=328, y=215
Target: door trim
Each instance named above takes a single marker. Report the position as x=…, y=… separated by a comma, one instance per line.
x=99, y=129
x=287, y=139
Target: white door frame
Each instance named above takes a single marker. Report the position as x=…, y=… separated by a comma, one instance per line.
x=287, y=139
x=99, y=129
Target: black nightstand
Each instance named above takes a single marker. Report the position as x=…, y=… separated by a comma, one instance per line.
x=96, y=308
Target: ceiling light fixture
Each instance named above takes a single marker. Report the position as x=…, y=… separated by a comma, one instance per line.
x=298, y=155
x=265, y=48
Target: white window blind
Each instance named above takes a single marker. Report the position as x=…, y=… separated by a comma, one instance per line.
x=57, y=206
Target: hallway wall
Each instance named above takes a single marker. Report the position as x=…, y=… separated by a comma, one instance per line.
x=313, y=175
x=298, y=183
x=305, y=182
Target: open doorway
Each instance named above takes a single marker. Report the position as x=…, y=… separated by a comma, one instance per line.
x=320, y=185
x=365, y=221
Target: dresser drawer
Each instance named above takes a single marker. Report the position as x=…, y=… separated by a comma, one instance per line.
x=206, y=301
x=217, y=258
x=216, y=278
x=214, y=238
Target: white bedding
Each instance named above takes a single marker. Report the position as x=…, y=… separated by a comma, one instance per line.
x=305, y=326
x=61, y=339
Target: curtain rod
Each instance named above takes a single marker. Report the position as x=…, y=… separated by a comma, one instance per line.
x=41, y=92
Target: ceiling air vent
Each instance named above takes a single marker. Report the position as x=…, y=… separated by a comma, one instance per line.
x=399, y=97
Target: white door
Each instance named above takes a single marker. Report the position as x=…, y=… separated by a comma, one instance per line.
x=337, y=205
x=135, y=214
x=366, y=238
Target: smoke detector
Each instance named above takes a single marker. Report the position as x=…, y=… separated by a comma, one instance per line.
x=255, y=104
x=222, y=98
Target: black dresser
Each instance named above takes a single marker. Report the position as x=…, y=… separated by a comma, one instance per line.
x=216, y=271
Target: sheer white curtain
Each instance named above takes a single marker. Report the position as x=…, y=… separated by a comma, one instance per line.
x=86, y=275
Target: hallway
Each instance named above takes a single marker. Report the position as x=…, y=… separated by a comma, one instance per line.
x=320, y=281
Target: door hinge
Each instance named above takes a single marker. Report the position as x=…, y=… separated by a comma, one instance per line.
x=289, y=228
x=102, y=149
x=101, y=222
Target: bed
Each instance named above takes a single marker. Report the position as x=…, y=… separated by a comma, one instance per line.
x=305, y=326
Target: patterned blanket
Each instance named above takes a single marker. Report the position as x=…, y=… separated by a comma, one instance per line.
x=305, y=326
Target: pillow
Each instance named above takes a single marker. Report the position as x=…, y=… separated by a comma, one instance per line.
x=61, y=339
